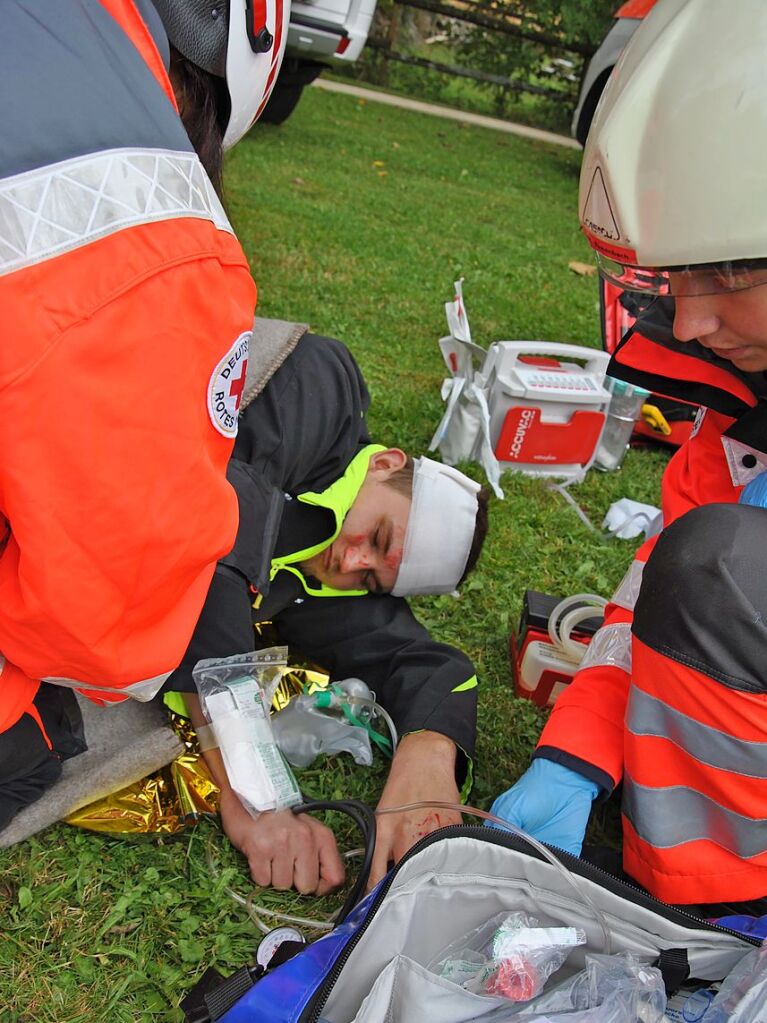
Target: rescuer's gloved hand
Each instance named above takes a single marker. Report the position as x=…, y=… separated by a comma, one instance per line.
x=551, y=803
x=755, y=492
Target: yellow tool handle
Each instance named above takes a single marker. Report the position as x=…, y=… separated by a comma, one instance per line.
x=655, y=419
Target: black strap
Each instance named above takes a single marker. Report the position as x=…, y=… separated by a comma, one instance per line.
x=674, y=967
x=221, y=999
x=193, y=1004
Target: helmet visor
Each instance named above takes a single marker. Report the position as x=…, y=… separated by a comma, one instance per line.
x=685, y=281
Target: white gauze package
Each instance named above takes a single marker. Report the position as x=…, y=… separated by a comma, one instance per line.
x=235, y=695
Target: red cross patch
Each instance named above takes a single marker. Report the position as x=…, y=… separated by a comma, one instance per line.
x=226, y=386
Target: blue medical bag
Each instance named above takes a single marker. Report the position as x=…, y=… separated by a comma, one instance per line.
x=371, y=967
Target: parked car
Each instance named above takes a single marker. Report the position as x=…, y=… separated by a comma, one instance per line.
x=321, y=34
x=627, y=19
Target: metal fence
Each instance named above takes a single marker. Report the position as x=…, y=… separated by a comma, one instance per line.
x=568, y=72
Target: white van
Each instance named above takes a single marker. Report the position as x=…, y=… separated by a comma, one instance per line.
x=322, y=33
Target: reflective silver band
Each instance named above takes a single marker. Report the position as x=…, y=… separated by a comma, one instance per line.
x=669, y=817
x=47, y=212
x=611, y=646
x=647, y=715
x=628, y=588
x=143, y=691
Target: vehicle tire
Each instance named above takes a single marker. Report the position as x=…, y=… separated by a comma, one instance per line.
x=282, y=102
x=590, y=105
x=295, y=73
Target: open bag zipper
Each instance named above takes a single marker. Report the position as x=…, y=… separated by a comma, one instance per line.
x=580, y=868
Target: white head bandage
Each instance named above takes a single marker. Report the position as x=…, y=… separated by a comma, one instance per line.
x=440, y=530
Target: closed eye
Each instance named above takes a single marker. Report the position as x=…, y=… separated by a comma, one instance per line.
x=383, y=536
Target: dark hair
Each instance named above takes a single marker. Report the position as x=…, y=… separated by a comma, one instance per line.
x=203, y=107
x=402, y=482
x=402, y=479
x=480, y=532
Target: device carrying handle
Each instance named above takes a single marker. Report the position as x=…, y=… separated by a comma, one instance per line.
x=596, y=360
x=365, y=819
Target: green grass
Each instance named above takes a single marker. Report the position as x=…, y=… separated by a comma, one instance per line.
x=357, y=219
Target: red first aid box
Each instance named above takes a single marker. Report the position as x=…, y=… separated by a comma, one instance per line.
x=540, y=670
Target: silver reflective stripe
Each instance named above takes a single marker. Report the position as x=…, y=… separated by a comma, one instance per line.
x=2, y=664
x=650, y=716
x=743, y=469
x=628, y=588
x=668, y=817
x=48, y=211
x=142, y=691
x=610, y=646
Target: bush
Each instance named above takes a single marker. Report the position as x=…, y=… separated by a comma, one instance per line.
x=546, y=65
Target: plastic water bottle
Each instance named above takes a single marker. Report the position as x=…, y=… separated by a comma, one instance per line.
x=625, y=407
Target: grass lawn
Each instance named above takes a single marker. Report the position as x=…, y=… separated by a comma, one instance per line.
x=357, y=219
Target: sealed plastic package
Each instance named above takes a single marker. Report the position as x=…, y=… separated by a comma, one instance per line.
x=235, y=696
x=509, y=956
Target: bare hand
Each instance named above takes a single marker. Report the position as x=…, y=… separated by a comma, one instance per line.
x=423, y=769
x=284, y=850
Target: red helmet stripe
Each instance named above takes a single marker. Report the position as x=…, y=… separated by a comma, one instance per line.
x=259, y=17
x=276, y=50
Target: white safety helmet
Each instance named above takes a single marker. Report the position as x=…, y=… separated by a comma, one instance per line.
x=672, y=191
x=240, y=41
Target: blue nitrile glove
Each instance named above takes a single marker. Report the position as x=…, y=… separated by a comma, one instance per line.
x=755, y=492
x=551, y=803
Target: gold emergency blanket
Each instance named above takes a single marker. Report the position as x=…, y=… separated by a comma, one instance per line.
x=169, y=800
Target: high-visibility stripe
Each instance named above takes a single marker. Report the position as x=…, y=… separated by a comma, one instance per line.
x=650, y=716
x=143, y=691
x=470, y=683
x=694, y=693
x=338, y=499
x=610, y=646
x=46, y=212
x=672, y=816
x=628, y=588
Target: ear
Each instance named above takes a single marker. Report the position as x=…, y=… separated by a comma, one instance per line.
x=384, y=463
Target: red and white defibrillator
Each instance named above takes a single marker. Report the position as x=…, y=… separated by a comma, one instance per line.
x=535, y=406
x=547, y=410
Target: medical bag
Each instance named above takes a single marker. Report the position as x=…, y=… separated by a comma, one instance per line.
x=372, y=967
x=666, y=420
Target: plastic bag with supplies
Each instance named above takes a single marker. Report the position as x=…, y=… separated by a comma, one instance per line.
x=509, y=956
x=235, y=696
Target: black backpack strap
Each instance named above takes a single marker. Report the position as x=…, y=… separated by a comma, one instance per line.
x=213, y=996
x=674, y=966
x=221, y=999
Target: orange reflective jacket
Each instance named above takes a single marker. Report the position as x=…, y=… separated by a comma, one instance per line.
x=688, y=749
x=127, y=309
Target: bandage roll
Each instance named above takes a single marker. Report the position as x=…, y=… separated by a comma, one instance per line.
x=440, y=530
